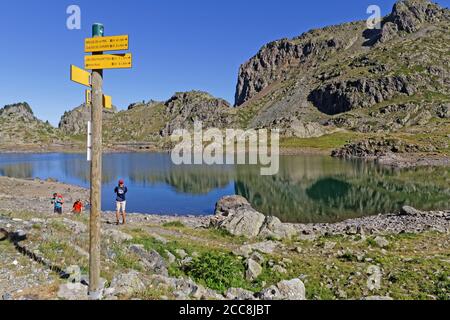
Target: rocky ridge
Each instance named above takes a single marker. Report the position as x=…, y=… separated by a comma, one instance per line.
x=74, y=122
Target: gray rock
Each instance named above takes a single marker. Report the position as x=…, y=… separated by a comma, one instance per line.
x=267, y=247
x=73, y=291
x=151, y=260
x=274, y=228
x=117, y=236
x=186, y=261
x=239, y=294
x=285, y=290
x=181, y=253
x=292, y=290
x=374, y=280
x=271, y=293
x=279, y=269
x=253, y=271
x=235, y=214
x=329, y=245
x=381, y=242
x=410, y=211
x=170, y=257
x=127, y=283
x=185, y=288
x=256, y=256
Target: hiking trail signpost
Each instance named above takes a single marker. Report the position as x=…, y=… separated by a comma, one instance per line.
x=97, y=100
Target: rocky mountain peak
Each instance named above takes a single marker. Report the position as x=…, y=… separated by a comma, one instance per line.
x=276, y=60
x=18, y=110
x=409, y=15
x=150, y=103
x=75, y=121
x=185, y=108
x=193, y=97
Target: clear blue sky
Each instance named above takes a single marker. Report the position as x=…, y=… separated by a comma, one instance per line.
x=178, y=45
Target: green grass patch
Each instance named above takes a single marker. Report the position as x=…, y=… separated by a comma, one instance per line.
x=174, y=224
x=326, y=142
x=218, y=271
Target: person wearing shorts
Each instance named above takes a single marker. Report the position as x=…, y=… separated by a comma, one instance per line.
x=121, y=202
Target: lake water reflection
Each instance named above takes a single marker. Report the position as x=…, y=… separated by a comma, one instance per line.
x=307, y=188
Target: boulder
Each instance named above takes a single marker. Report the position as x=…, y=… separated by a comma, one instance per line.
x=127, y=283
x=151, y=260
x=285, y=290
x=274, y=228
x=239, y=294
x=185, y=288
x=271, y=293
x=409, y=211
x=292, y=290
x=181, y=253
x=117, y=236
x=267, y=247
x=254, y=270
x=229, y=204
x=244, y=221
x=374, y=280
x=381, y=242
x=256, y=256
x=73, y=291
x=279, y=269
x=171, y=258
x=236, y=215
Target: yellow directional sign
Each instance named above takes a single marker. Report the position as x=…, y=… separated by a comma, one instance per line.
x=80, y=76
x=108, y=61
x=107, y=102
x=88, y=95
x=99, y=44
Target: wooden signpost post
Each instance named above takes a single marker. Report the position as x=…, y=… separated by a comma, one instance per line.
x=95, y=97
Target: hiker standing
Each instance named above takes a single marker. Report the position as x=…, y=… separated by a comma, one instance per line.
x=121, y=202
x=58, y=202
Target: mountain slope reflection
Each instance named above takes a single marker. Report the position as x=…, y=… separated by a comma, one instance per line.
x=306, y=189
